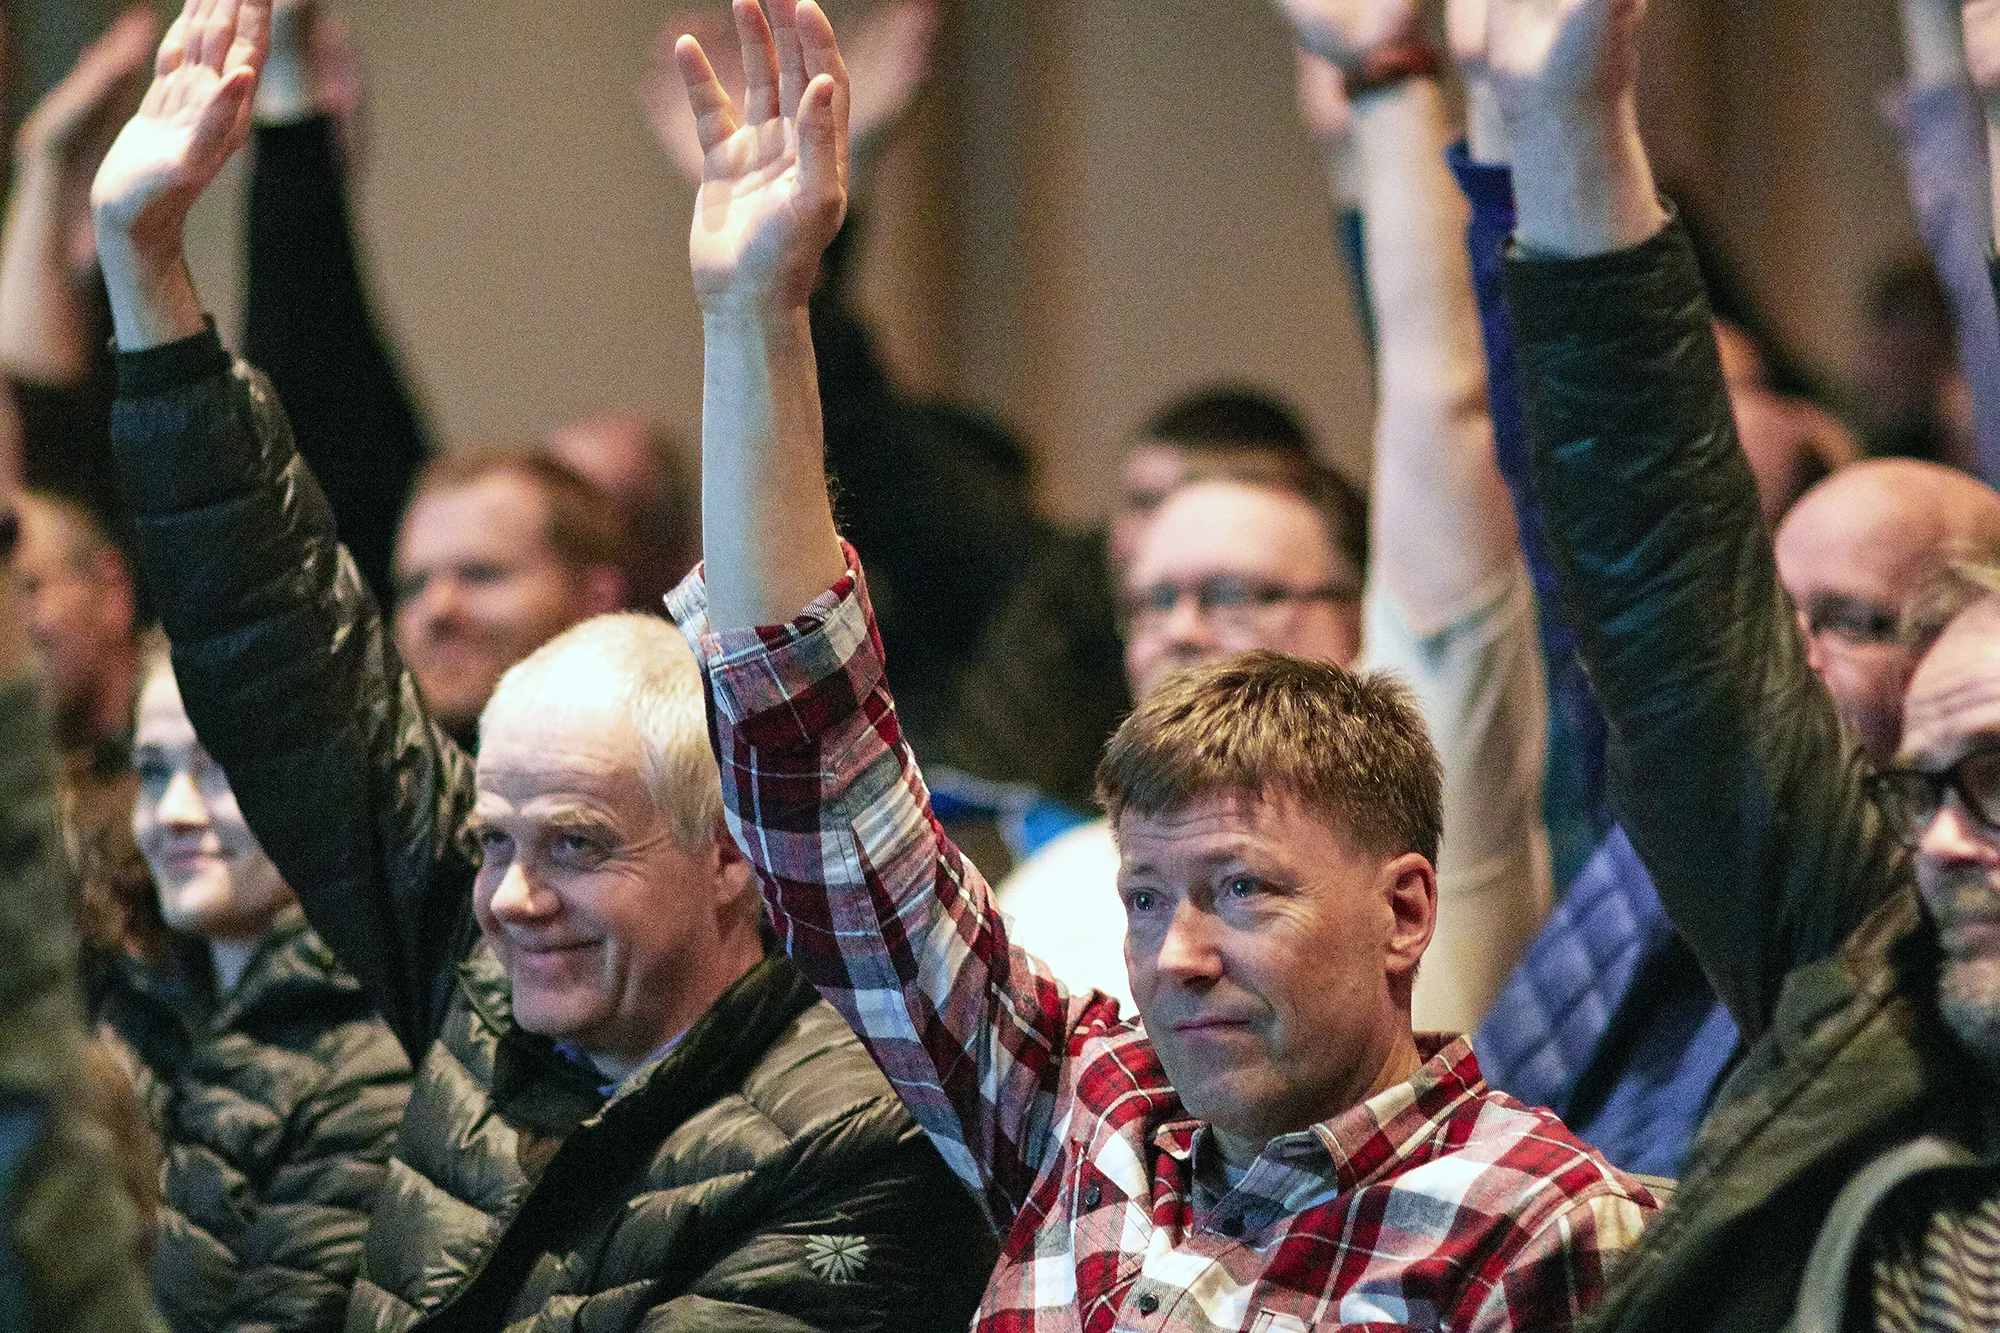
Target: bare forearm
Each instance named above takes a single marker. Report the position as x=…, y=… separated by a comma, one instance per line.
x=1582, y=183
x=42, y=323
x=1443, y=525
x=153, y=298
x=768, y=532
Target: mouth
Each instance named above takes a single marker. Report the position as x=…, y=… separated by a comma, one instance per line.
x=1210, y=1026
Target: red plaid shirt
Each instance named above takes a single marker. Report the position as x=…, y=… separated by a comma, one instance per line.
x=1436, y=1204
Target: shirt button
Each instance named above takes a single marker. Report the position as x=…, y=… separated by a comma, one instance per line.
x=1092, y=1197
x=1148, y=1303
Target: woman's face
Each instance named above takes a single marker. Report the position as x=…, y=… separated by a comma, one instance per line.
x=214, y=880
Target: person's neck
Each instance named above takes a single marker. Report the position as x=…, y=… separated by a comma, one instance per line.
x=232, y=959
x=1240, y=1151
x=733, y=964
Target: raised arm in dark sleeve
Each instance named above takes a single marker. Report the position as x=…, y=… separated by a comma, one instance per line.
x=291, y=679
x=1733, y=776
x=308, y=326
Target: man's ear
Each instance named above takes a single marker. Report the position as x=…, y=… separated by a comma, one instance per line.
x=735, y=879
x=1409, y=885
x=603, y=589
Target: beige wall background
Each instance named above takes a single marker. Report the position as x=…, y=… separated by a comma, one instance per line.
x=1094, y=206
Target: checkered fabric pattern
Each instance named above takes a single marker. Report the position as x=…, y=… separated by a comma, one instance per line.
x=1436, y=1204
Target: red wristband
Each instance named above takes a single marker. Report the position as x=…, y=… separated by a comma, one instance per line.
x=1391, y=65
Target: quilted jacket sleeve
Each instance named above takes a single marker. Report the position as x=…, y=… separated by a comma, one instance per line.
x=1738, y=784
x=874, y=1234
x=291, y=679
x=302, y=1250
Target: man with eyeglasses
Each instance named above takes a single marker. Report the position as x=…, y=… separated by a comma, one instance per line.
x=1433, y=589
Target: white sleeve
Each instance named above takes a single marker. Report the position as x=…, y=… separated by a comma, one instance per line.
x=1480, y=683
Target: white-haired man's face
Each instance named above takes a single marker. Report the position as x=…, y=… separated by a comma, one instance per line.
x=615, y=936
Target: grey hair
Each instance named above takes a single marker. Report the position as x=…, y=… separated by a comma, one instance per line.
x=648, y=671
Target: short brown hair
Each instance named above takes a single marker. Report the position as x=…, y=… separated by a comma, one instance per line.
x=1352, y=748
x=583, y=526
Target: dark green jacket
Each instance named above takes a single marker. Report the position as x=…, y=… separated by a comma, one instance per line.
x=763, y=1177
x=1739, y=786
x=69, y=1231
x=275, y=1117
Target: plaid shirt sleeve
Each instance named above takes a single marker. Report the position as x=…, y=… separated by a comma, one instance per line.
x=871, y=899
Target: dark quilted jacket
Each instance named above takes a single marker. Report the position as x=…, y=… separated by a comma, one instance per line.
x=275, y=1117
x=1738, y=786
x=764, y=1176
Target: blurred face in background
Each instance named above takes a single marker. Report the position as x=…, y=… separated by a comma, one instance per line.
x=213, y=877
x=479, y=587
x=78, y=598
x=1853, y=554
x=1230, y=567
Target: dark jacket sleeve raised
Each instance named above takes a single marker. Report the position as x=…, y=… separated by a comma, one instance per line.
x=1738, y=784
x=291, y=680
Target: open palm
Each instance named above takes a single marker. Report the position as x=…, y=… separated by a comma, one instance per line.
x=774, y=172
x=192, y=119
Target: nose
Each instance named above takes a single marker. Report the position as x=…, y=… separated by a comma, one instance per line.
x=439, y=603
x=520, y=901
x=1953, y=839
x=1186, y=628
x=181, y=806
x=1188, y=955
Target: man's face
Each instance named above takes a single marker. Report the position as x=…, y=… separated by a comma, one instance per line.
x=78, y=602
x=606, y=924
x=1262, y=557
x=478, y=589
x=1270, y=960
x=1850, y=574
x=1954, y=712
x=214, y=879
x=1150, y=473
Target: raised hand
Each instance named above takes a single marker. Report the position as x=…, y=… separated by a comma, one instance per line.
x=1346, y=32
x=312, y=70
x=774, y=170
x=1563, y=60
x=1564, y=74
x=192, y=119
x=887, y=52
x=1982, y=51
x=1465, y=29
x=77, y=118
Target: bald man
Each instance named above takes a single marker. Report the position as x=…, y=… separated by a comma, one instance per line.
x=1854, y=553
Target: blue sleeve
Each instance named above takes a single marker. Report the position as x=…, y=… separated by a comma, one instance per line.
x=1574, y=803
x=1943, y=136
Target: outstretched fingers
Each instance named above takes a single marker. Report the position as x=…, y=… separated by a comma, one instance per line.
x=760, y=64
x=251, y=41
x=823, y=109
x=714, y=114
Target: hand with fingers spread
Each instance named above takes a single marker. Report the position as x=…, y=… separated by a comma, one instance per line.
x=192, y=120
x=1564, y=75
x=887, y=52
x=774, y=169
x=1347, y=32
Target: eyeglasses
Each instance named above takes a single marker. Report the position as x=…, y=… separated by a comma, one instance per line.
x=1915, y=795
x=1224, y=602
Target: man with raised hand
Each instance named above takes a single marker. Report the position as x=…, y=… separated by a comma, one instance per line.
x=1845, y=1178
x=629, y=1112
x=1273, y=1147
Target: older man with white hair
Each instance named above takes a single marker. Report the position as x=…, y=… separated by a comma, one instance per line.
x=628, y=1113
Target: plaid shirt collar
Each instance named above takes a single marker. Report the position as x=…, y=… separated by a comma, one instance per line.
x=1364, y=1144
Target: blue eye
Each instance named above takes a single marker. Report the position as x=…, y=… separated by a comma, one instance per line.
x=1244, y=887
x=1140, y=901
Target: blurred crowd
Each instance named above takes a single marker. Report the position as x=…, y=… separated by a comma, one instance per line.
x=1551, y=881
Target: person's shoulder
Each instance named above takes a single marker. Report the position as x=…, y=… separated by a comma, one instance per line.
x=1528, y=1155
